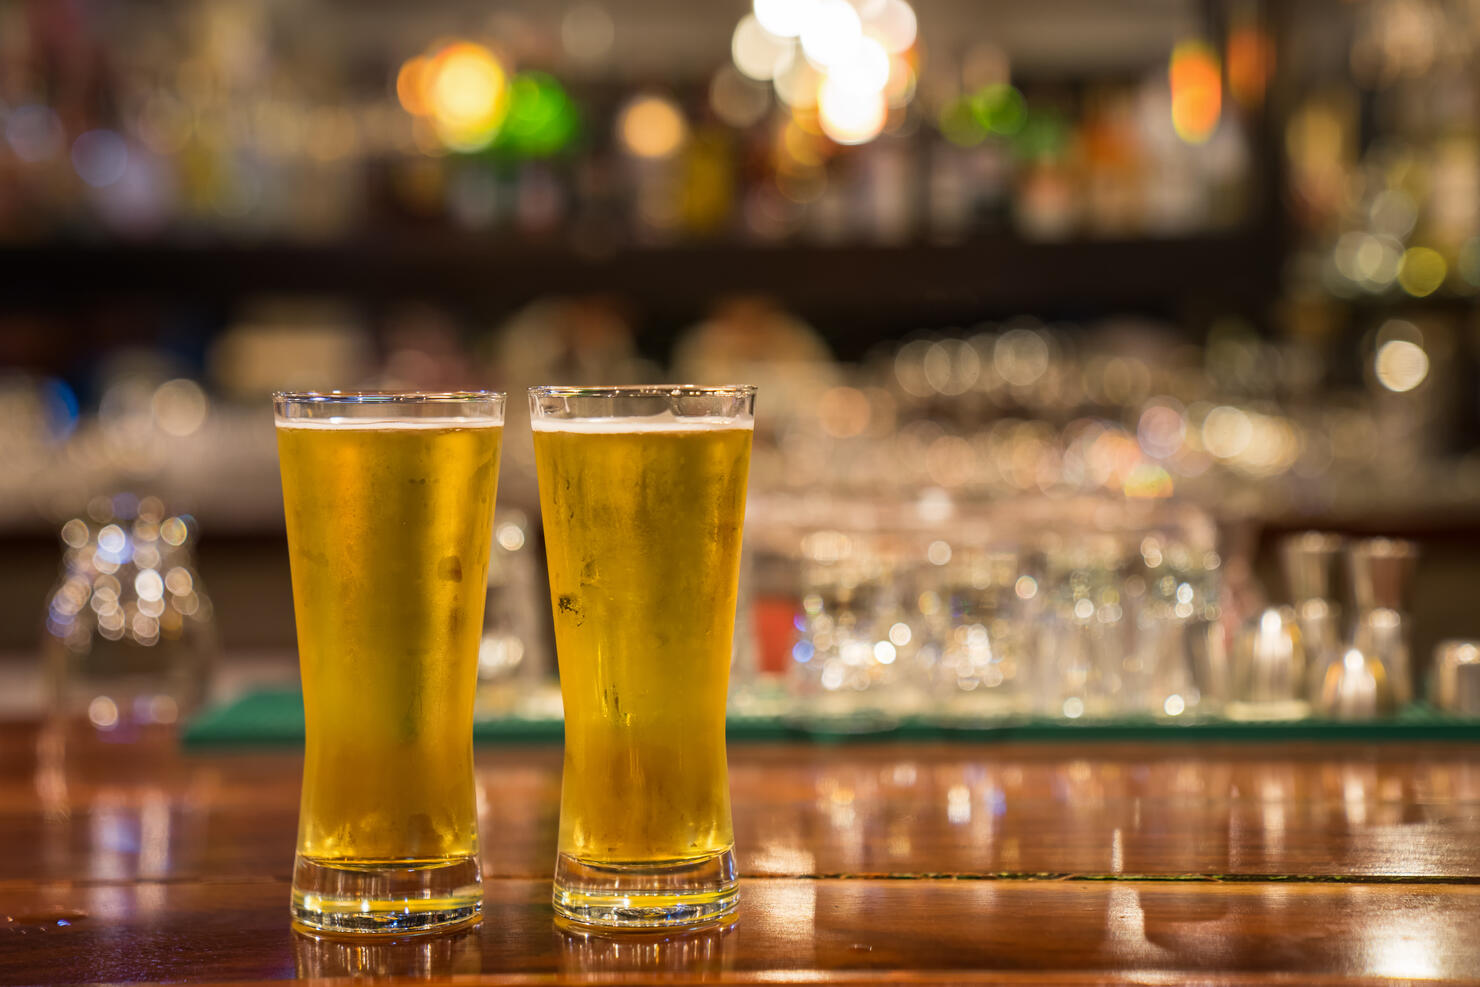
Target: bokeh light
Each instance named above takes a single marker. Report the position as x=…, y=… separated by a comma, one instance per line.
x=466, y=91
x=1000, y=109
x=541, y=119
x=1369, y=260
x=1161, y=429
x=951, y=367
x=850, y=115
x=1250, y=64
x=1467, y=264
x=179, y=407
x=894, y=25
x=1021, y=357
x=900, y=88
x=463, y=99
x=858, y=51
x=1401, y=365
x=1393, y=212
x=587, y=32
x=100, y=157
x=1197, y=91
x=412, y=85
x=798, y=84
x=832, y=32
x=1227, y=432
x=866, y=69
x=1421, y=271
x=757, y=52
x=467, y=84
x=652, y=126
x=783, y=18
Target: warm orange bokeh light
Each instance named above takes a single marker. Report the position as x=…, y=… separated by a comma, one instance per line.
x=1250, y=64
x=411, y=85
x=1197, y=91
x=461, y=91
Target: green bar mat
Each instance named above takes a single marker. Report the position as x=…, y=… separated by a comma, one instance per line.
x=276, y=717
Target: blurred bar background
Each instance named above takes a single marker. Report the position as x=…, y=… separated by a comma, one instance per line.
x=1065, y=315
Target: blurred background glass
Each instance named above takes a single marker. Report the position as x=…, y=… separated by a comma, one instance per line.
x=1065, y=314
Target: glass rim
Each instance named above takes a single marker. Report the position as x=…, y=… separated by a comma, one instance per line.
x=642, y=390
x=384, y=397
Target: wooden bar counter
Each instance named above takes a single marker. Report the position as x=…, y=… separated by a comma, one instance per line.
x=861, y=863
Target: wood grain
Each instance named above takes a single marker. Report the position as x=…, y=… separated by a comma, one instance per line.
x=1372, y=812
x=862, y=863
x=787, y=929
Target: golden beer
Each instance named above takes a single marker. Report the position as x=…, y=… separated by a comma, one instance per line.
x=642, y=528
x=389, y=527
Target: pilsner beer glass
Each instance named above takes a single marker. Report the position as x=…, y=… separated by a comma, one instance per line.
x=389, y=506
x=642, y=493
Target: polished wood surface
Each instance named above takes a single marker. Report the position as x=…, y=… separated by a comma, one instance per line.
x=129, y=861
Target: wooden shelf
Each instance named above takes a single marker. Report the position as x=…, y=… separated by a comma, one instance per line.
x=853, y=291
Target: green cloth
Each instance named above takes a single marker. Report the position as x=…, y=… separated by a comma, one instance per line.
x=276, y=717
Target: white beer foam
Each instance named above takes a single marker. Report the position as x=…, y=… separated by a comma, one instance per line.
x=666, y=422
x=340, y=424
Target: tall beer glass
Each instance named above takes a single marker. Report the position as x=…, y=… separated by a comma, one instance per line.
x=389, y=504
x=642, y=491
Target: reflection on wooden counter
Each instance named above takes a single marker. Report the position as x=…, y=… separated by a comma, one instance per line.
x=937, y=861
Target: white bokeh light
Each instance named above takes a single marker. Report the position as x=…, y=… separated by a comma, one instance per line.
x=850, y=116
x=865, y=70
x=1401, y=365
x=783, y=18
x=895, y=25
x=758, y=53
x=832, y=32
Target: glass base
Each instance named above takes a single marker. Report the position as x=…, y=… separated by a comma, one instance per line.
x=1269, y=709
x=649, y=895
x=386, y=896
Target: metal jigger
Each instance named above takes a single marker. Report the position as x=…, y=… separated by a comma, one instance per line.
x=1309, y=563
x=1381, y=571
x=1457, y=677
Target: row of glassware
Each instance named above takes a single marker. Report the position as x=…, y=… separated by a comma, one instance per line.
x=857, y=614
x=1079, y=609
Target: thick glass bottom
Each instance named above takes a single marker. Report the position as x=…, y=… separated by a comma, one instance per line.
x=386, y=896
x=657, y=894
x=1271, y=709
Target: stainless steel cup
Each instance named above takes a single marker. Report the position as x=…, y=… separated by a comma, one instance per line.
x=1381, y=571
x=1309, y=563
x=1456, y=682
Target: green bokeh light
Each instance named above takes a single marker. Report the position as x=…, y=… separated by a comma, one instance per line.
x=541, y=122
x=1000, y=108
